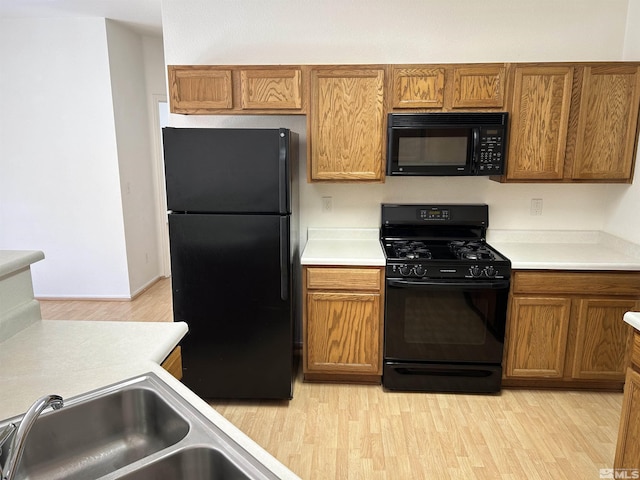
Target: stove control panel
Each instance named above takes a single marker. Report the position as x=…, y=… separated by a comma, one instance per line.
x=418, y=270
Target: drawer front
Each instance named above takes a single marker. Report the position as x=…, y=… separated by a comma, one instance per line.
x=579, y=283
x=337, y=278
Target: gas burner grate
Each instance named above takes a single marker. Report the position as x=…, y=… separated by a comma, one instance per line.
x=411, y=249
x=471, y=250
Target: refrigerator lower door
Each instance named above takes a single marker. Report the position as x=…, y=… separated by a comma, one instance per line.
x=231, y=282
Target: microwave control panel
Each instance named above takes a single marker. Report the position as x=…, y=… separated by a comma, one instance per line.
x=491, y=154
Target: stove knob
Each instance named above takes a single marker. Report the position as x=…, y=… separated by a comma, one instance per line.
x=420, y=271
x=405, y=270
x=490, y=271
x=475, y=271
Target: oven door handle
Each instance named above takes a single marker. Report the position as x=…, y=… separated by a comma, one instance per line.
x=473, y=285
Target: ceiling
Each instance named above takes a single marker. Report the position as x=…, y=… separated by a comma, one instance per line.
x=143, y=16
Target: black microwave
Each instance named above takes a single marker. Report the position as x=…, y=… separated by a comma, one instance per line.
x=449, y=143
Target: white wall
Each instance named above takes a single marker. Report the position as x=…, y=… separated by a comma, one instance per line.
x=412, y=31
x=76, y=170
x=624, y=217
x=59, y=182
x=131, y=114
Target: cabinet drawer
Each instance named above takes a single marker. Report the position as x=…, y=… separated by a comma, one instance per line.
x=579, y=283
x=336, y=278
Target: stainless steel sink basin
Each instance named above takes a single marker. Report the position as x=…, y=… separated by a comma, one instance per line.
x=198, y=463
x=135, y=430
x=92, y=438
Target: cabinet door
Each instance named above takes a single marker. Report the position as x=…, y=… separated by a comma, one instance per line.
x=539, y=122
x=343, y=333
x=537, y=338
x=628, y=446
x=603, y=340
x=347, y=127
x=479, y=87
x=271, y=89
x=418, y=87
x=198, y=90
x=605, y=144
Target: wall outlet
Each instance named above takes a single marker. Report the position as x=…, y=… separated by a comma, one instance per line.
x=536, y=206
x=327, y=204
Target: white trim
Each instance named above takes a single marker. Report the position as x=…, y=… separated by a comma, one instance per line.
x=161, y=200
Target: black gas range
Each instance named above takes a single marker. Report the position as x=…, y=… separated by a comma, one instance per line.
x=446, y=299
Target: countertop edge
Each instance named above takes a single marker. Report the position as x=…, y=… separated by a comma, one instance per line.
x=633, y=319
x=13, y=260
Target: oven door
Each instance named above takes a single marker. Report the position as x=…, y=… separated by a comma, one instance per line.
x=445, y=321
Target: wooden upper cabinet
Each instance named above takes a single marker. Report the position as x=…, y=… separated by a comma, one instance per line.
x=199, y=89
x=346, y=128
x=479, y=87
x=232, y=89
x=607, y=122
x=448, y=87
x=271, y=89
x=418, y=87
x=538, y=122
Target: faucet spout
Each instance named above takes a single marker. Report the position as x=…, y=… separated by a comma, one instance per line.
x=16, y=448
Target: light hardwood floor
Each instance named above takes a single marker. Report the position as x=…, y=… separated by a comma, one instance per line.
x=362, y=432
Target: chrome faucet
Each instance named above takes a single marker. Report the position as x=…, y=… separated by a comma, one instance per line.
x=22, y=429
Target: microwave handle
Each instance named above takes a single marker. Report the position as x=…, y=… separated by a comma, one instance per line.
x=476, y=148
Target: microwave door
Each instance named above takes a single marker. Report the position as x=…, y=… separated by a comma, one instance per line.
x=433, y=151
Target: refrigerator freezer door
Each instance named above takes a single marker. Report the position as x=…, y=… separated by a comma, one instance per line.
x=217, y=170
x=228, y=286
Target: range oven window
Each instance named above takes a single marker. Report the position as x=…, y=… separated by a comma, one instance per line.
x=436, y=147
x=441, y=323
x=451, y=318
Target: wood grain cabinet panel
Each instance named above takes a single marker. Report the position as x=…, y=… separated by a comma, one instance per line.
x=342, y=323
x=628, y=445
x=603, y=340
x=173, y=363
x=418, y=87
x=565, y=329
x=199, y=89
x=343, y=332
x=538, y=337
x=478, y=87
x=539, y=122
x=346, y=131
x=607, y=123
x=271, y=89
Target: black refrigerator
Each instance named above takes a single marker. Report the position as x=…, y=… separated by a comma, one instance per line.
x=232, y=201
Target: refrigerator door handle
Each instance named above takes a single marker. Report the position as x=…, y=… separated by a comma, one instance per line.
x=283, y=173
x=284, y=258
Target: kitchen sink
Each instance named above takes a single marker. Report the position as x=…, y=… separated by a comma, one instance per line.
x=198, y=463
x=137, y=429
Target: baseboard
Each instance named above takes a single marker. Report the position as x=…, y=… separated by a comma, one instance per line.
x=100, y=298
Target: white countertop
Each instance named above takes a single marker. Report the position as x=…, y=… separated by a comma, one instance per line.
x=565, y=250
x=70, y=358
x=343, y=246
x=12, y=260
x=633, y=319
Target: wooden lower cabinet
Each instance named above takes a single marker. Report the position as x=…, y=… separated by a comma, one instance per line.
x=173, y=363
x=342, y=325
x=565, y=329
x=628, y=447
